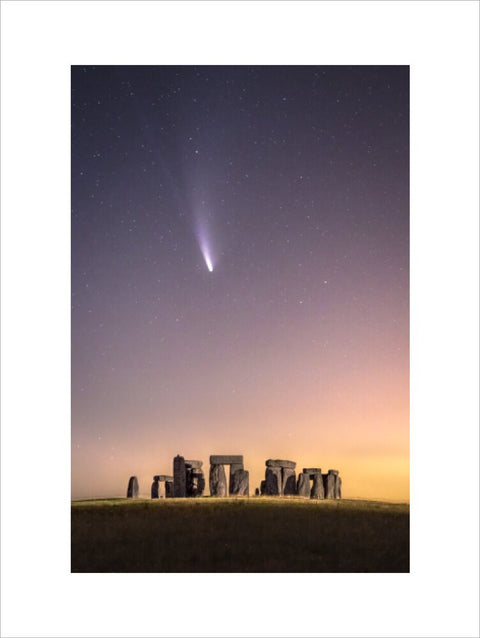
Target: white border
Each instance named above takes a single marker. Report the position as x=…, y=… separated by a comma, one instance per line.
x=39, y=42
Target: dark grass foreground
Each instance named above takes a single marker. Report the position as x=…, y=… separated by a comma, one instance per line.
x=239, y=535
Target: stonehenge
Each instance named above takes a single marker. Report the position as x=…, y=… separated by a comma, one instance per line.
x=238, y=484
x=159, y=486
x=280, y=478
x=188, y=480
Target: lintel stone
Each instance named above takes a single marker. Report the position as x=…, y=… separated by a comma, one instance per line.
x=196, y=465
x=279, y=463
x=226, y=459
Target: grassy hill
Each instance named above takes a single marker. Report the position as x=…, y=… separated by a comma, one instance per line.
x=257, y=534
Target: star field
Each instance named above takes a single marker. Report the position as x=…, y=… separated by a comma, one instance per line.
x=295, y=182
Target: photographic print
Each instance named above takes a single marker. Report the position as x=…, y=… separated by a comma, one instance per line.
x=240, y=318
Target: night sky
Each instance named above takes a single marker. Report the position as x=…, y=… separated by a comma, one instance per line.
x=240, y=272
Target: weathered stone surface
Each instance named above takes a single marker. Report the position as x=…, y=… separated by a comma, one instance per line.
x=162, y=477
x=289, y=481
x=317, y=487
x=263, y=487
x=195, y=482
x=228, y=459
x=217, y=480
x=234, y=467
x=338, y=487
x=273, y=480
x=195, y=465
x=303, y=485
x=239, y=483
x=168, y=489
x=132, y=489
x=312, y=470
x=179, y=477
x=201, y=485
x=280, y=463
x=335, y=472
x=154, y=489
x=330, y=485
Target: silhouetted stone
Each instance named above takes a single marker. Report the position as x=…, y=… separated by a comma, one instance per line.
x=317, y=487
x=132, y=489
x=169, y=489
x=280, y=463
x=334, y=472
x=154, y=490
x=189, y=487
x=195, y=482
x=263, y=487
x=257, y=492
x=330, y=488
x=312, y=471
x=162, y=477
x=217, y=480
x=226, y=459
x=239, y=483
x=338, y=487
x=179, y=477
x=289, y=481
x=201, y=486
x=273, y=480
x=303, y=485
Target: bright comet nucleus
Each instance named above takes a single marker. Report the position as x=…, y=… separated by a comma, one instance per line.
x=208, y=262
x=203, y=237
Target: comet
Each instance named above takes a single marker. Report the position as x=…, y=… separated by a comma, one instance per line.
x=205, y=249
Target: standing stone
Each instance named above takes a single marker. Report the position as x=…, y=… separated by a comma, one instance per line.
x=303, y=485
x=179, y=477
x=217, y=480
x=169, y=489
x=132, y=489
x=188, y=481
x=273, y=481
x=155, y=486
x=257, y=492
x=324, y=480
x=338, y=487
x=263, y=487
x=317, y=487
x=200, y=482
x=239, y=484
x=289, y=481
x=330, y=491
x=234, y=467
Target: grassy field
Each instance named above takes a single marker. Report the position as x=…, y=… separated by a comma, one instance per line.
x=239, y=535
